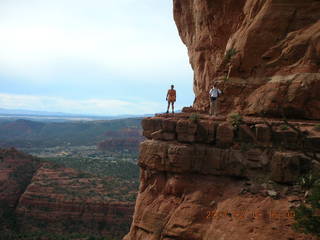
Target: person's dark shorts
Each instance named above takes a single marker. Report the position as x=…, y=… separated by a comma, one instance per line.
x=213, y=99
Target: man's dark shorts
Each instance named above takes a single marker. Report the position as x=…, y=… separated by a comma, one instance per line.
x=213, y=99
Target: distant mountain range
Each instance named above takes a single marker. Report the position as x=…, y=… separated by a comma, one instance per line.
x=32, y=112
x=27, y=133
x=59, y=116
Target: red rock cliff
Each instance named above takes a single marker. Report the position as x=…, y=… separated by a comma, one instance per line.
x=270, y=47
x=63, y=200
x=50, y=198
x=203, y=179
x=16, y=172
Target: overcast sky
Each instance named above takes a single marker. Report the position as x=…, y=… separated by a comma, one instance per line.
x=101, y=57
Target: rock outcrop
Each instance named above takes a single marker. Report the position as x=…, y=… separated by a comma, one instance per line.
x=37, y=196
x=16, y=172
x=264, y=54
x=63, y=200
x=206, y=178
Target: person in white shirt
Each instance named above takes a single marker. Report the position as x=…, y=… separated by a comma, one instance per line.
x=214, y=94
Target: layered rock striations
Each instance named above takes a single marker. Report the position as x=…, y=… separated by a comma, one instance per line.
x=16, y=172
x=37, y=196
x=63, y=200
x=264, y=54
x=206, y=178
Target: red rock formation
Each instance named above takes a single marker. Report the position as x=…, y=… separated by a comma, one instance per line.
x=49, y=198
x=213, y=180
x=63, y=200
x=278, y=54
x=207, y=178
x=16, y=172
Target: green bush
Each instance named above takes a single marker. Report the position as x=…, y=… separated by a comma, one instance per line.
x=235, y=119
x=307, y=215
x=230, y=54
x=308, y=181
x=284, y=127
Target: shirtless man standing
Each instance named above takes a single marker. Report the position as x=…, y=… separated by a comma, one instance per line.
x=171, y=98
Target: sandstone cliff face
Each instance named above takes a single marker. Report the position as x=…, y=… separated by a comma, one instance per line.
x=206, y=179
x=277, y=60
x=63, y=200
x=16, y=172
x=45, y=197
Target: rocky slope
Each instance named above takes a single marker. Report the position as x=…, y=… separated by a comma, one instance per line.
x=45, y=197
x=264, y=54
x=211, y=178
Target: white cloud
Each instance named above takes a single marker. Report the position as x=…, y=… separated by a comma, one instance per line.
x=88, y=49
x=128, y=37
x=87, y=106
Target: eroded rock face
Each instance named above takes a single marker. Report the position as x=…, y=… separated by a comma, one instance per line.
x=16, y=172
x=277, y=64
x=63, y=200
x=213, y=180
x=199, y=207
x=47, y=197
